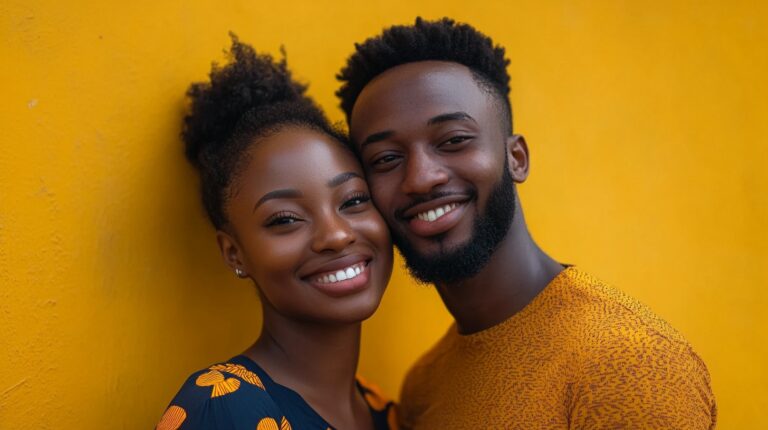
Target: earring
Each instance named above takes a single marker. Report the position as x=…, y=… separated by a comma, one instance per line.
x=239, y=272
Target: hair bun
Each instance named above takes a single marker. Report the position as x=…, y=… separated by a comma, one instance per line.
x=247, y=83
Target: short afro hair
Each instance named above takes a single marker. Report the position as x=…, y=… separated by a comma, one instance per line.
x=440, y=40
x=251, y=97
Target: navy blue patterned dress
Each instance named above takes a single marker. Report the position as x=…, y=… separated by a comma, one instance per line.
x=238, y=394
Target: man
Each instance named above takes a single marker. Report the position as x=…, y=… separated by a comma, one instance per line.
x=535, y=344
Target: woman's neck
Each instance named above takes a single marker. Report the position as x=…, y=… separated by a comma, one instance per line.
x=318, y=361
x=307, y=353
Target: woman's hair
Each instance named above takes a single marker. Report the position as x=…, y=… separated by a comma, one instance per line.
x=251, y=97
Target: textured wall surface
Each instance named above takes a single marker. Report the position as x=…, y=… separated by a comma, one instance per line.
x=647, y=124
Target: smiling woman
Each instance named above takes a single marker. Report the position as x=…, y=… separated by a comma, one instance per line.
x=293, y=214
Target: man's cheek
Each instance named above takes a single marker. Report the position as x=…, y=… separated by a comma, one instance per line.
x=382, y=198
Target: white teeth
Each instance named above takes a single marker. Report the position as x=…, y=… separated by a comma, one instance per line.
x=342, y=275
x=435, y=214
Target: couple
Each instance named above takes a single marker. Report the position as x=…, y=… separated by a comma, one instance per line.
x=306, y=213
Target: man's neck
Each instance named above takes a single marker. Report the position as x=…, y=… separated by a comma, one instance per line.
x=516, y=273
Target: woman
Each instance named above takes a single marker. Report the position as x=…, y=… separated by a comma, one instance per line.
x=293, y=214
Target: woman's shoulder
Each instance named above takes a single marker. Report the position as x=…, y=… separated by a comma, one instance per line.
x=223, y=395
x=383, y=408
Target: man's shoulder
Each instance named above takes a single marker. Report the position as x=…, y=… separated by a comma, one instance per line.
x=608, y=314
x=629, y=356
x=425, y=366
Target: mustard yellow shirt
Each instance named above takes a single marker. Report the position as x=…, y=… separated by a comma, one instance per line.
x=581, y=355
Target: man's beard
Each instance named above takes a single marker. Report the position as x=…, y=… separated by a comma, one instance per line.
x=451, y=265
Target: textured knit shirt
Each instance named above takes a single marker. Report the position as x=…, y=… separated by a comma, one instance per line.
x=581, y=355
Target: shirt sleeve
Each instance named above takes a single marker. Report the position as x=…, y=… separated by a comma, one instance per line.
x=637, y=378
x=217, y=399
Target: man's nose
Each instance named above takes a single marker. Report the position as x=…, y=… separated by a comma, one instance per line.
x=423, y=172
x=332, y=233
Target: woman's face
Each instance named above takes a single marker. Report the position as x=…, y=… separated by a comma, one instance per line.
x=303, y=227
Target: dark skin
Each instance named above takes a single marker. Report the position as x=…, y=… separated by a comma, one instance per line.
x=298, y=211
x=430, y=136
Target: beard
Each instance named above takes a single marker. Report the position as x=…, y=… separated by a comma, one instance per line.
x=454, y=264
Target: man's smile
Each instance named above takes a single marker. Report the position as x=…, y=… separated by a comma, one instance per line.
x=436, y=215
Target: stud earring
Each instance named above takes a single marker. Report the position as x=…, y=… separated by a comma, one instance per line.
x=239, y=272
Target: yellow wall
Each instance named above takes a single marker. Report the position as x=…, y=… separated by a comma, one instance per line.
x=646, y=122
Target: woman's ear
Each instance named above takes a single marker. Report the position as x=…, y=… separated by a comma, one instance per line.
x=230, y=251
x=517, y=158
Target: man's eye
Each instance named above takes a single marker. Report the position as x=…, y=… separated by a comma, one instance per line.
x=455, y=140
x=383, y=160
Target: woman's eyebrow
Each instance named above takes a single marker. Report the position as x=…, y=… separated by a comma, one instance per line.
x=341, y=178
x=290, y=193
x=287, y=193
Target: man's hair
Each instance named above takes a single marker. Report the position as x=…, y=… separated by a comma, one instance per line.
x=441, y=40
x=251, y=97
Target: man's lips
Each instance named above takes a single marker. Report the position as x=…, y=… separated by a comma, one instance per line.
x=436, y=217
x=444, y=204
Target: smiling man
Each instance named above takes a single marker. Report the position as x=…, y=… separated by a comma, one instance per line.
x=535, y=344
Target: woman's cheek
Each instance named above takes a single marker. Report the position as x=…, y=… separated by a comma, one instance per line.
x=278, y=255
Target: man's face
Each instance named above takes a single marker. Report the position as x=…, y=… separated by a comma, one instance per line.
x=433, y=146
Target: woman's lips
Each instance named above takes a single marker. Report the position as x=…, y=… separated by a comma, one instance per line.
x=344, y=273
x=343, y=281
x=320, y=266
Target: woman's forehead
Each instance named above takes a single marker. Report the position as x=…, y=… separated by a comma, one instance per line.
x=297, y=157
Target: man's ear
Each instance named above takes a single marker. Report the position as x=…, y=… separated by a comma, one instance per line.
x=230, y=251
x=517, y=158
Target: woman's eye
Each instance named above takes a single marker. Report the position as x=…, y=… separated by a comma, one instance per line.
x=282, y=219
x=355, y=201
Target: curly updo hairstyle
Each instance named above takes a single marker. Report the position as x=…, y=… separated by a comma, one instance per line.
x=441, y=40
x=249, y=98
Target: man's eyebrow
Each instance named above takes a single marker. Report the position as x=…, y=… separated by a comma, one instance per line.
x=453, y=116
x=376, y=137
x=341, y=178
x=288, y=193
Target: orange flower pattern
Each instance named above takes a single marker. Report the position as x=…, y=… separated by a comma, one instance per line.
x=240, y=371
x=221, y=385
x=172, y=419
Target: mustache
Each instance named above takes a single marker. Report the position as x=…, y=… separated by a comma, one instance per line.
x=424, y=198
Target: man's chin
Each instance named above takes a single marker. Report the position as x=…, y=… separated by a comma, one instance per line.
x=431, y=265
x=436, y=245
x=434, y=248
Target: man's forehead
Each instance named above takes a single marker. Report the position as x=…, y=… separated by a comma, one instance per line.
x=416, y=92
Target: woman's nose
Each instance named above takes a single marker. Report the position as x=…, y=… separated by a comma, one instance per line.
x=333, y=233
